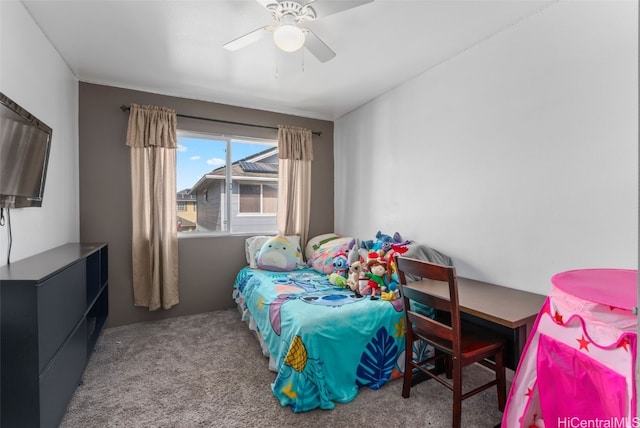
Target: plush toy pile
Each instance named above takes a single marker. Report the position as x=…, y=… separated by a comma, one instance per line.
x=365, y=267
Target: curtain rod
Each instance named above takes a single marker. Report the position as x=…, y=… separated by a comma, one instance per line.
x=318, y=133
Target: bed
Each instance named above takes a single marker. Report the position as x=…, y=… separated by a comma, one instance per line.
x=324, y=342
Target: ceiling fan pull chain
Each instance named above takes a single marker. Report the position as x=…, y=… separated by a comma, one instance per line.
x=302, y=53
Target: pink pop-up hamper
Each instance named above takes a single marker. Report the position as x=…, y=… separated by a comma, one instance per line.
x=578, y=366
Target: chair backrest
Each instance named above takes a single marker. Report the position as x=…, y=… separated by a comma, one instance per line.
x=420, y=269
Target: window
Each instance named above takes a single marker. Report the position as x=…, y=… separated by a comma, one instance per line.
x=258, y=198
x=233, y=182
x=182, y=206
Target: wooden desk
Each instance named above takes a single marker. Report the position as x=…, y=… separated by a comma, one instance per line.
x=507, y=311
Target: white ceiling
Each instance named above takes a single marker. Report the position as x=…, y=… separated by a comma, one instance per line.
x=175, y=48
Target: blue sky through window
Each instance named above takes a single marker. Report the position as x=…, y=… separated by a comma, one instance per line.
x=196, y=157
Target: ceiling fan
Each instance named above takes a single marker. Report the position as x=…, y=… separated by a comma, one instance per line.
x=288, y=32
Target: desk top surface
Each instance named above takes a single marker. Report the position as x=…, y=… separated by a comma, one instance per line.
x=501, y=305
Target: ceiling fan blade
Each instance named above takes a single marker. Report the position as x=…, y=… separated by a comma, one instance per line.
x=328, y=7
x=267, y=3
x=247, y=39
x=317, y=47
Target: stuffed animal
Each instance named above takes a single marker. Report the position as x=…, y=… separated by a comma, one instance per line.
x=354, y=278
x=339, y=275
x=381, y=238
x=337, y=280
x=383, y=242
x=278, y=254
x=397, y=240
x=378, y=275
x=390, y=259
x=369, y=255
x=390, y=295
x=352, y=252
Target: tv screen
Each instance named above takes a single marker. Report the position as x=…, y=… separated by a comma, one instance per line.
x=24, y=154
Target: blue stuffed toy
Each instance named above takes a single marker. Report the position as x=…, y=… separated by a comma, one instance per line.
x=383, y=242
x=340, y=270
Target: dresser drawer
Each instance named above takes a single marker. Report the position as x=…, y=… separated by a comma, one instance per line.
x=61, y=378
x=61, y=305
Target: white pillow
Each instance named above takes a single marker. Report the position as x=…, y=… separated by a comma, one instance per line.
x=253, y=245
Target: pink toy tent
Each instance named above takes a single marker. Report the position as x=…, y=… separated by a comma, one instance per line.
x=578, y=366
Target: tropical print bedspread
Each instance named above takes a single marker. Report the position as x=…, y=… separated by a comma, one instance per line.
x=325, y=342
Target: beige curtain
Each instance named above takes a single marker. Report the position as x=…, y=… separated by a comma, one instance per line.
x=153, y=141
x=295, y=152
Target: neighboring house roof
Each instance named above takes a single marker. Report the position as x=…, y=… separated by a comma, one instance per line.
x=251, y=166
x=259, y=167
x=184, y=196
x=186, y=223
x=257, y=157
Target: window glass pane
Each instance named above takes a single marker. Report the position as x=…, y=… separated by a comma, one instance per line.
x=200, y=174
x=249, y=198
x=269, y=198
x=196, y=157
x=216, y=197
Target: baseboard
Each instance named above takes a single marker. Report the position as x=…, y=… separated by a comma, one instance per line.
x=509, y=374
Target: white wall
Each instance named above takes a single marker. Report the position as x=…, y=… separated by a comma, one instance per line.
x=518, y=157
x=33, y=74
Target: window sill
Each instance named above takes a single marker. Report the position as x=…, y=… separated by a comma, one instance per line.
x=195, y=235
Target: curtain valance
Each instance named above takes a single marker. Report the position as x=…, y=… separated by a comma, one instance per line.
x=294, y=143
x=152, y=126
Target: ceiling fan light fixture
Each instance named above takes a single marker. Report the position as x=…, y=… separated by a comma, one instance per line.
x=288, y=37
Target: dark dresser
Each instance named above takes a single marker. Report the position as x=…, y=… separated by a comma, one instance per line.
x=53, y=307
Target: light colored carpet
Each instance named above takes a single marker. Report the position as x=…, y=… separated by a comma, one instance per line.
x=207, y=370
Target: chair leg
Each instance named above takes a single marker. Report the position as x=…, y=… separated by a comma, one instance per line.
x=406, y=383
x=501, y=380
x=447, y=366
x=457, y=394
x=408, y=369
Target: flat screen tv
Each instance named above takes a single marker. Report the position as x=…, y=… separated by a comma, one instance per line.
x=24, y=154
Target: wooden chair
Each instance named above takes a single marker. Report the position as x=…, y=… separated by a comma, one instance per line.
x=458, y=345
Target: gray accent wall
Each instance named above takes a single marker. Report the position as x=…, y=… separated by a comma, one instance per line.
x=208, y=265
